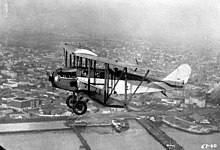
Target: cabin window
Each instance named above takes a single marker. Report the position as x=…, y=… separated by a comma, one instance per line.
x=100, y=74
x=84, y=73
x=68, y=74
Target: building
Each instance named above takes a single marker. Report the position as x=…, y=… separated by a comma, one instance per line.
x=19, y=115
x=20, y=103
x=5, y=111
x=171, y=101
x=199, y=118
x=9, y=85
x=7, y=99
x=199, y=102
x=24, y=103
x=9, y=73
x=117, y=109
x=35, y=103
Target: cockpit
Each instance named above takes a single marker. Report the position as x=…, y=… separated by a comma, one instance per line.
x=67, y=72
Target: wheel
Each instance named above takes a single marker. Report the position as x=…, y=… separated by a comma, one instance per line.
x=70, y=101
x=80, y=108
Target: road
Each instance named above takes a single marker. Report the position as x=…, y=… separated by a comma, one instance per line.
x=133, y=114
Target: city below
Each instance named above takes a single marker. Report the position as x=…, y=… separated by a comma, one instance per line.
x=28, y=97
x=109, y=75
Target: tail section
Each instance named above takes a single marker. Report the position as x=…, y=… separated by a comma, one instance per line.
x=180, y=75
x=176, y=80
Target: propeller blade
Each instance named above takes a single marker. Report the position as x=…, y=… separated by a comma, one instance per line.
x=48, y=73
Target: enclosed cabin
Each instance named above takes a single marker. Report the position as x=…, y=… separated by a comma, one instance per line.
x=75, y=66
x=67, y=72
x=83, y=66
x=66, y=78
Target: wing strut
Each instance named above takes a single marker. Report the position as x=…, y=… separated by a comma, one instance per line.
x=89, y=75
x=66, y=55
x=126, y=83
x=94, y=71
x=70, y=61
x=106, y=86
x=116, y=84
x=77, y=61
x=139, y=85
x=74, y=60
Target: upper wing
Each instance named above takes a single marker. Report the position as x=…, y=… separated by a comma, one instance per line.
x=71, y=48
x=85, y=52
x=112, y=62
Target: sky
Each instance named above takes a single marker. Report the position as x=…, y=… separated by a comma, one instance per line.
x=170, y=19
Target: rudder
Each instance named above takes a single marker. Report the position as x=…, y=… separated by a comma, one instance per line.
x=181, y=74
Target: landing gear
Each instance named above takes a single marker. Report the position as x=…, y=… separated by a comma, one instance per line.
x=78, y=106
x=71, y=100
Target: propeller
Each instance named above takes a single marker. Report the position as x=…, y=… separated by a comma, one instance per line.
x=49, y=75
x=51, y=79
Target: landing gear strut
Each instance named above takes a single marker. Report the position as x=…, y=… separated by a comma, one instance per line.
x=78, y=106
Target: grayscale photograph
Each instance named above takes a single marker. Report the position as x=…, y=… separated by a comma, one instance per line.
x=109, y=75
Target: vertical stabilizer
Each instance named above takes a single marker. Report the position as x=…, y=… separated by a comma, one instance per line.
x=181, y=74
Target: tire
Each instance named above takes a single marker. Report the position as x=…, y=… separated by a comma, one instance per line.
x=70, y=101
x=80, y=108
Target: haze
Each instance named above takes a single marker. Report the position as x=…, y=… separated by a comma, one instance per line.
x=183, y=20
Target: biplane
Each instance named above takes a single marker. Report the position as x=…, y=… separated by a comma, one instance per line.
x=91, y=77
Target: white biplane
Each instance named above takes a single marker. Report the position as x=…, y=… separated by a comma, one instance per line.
x=102, y=77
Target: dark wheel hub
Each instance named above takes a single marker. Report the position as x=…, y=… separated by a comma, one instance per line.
x=70, y=101
x=80, y=108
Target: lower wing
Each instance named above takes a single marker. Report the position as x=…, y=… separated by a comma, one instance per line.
x=131, y=86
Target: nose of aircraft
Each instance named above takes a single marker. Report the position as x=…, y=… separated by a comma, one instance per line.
x=53, y=78
x=56, y=78
x=50, y=78
x=49, y=75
